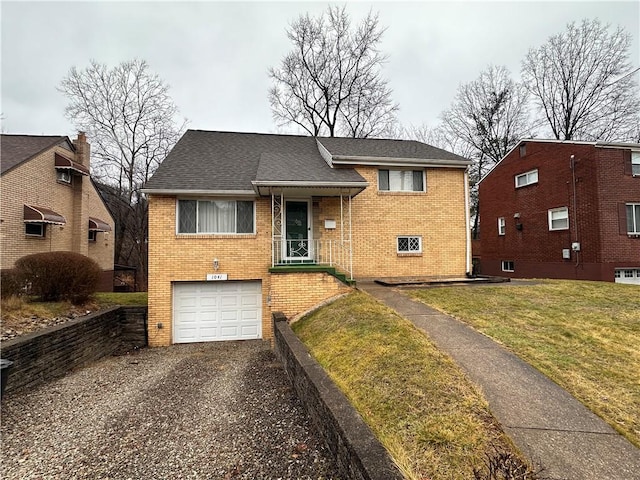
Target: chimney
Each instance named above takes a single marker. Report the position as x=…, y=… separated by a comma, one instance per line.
x=83, y=150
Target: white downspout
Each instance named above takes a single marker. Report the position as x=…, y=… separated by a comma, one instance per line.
x=467, y=219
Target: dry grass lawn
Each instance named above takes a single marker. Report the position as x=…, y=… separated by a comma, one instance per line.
x=432, y=420
x=585, y=336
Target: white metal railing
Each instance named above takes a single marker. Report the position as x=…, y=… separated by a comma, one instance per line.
x=334, y=253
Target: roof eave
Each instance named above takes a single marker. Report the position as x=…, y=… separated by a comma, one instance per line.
x=399, y=162
x=190, y=192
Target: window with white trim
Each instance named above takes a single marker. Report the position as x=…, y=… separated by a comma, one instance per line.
x=409, y=244
x=527, y=178
x=502, y=226
x=401, y=180
x=559, y=218
x=507, y=266
x=63, y=176
x=35, y=229
x=216, y=216
x=633, y=218
x=93, y=235
x=635, y=164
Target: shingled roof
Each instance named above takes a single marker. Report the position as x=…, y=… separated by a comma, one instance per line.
x=16, y=149
x=231, y=162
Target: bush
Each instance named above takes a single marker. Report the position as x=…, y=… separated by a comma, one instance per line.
x=60, y=275
x=11, y=283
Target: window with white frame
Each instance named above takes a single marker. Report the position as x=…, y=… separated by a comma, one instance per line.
x=35, y=229
x=409, y=244
x=215, y=216
x=527, y=178
x=401, y=180
x=63, y=176
x=502, y=226
x=507, y=266
x=559, y=218
x=633, y=218
x=635, y=164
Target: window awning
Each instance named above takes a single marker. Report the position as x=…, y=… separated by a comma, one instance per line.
x=64, y=163
x=97, y=225
x=33, y=214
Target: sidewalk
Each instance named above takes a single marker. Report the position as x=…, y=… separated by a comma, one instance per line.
x=555, y=431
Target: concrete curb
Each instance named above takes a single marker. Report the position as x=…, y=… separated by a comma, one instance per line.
x=358, y=452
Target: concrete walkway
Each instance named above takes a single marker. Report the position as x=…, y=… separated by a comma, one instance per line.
x=553, y=429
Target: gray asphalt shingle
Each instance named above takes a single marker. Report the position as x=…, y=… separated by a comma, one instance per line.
x=15, y=149
x=205, y=160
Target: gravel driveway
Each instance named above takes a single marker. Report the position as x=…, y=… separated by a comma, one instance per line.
x=221, y=410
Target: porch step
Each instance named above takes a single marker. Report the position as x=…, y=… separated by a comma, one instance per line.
x=302, y=267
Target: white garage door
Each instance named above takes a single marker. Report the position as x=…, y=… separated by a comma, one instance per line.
x=213, y=311
x=628, y=275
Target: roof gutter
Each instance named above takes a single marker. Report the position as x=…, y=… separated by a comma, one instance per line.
x=399, y=162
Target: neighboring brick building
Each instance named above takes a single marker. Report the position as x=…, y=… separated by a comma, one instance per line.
x=266, y=218
x=49, y=202
x=563, y=209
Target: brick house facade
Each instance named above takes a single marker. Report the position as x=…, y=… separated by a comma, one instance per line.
x=353, y=226
x=563, y=209
x=49, y=202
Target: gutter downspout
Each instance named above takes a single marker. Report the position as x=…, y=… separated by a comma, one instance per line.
x=467, y=220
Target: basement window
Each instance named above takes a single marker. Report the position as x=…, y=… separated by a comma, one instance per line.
x=507, y=266
x=410, y=244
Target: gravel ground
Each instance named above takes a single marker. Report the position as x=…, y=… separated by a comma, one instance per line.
x=221, y=410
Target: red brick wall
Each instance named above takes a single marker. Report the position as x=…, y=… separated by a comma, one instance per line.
x=600, y=184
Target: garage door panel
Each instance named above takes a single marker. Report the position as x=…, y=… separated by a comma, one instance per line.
x=212, y=311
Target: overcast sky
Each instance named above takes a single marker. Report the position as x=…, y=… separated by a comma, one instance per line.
x=215, y=56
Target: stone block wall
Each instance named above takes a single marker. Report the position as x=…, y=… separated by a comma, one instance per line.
x=357, y=451
x=52, y=352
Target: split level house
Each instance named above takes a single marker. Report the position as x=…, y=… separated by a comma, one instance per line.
x=49, y=202
x=242, y=225
x=563, y=209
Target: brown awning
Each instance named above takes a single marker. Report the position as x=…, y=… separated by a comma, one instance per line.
x=64, y=163
x=97, y=225
x=33, y=214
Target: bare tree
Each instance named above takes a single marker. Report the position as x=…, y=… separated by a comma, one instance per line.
x=583, y=84
x=486, y=119
x=331, y=82
x=130, y=120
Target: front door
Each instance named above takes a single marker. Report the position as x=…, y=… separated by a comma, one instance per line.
x=297, y=230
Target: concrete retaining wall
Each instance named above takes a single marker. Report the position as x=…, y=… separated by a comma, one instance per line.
x=358, y=452
x=54, y=351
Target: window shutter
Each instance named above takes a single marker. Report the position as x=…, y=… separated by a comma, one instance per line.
x=383, y=179
x=622, y=218
x=627, y=162
x=417, y=181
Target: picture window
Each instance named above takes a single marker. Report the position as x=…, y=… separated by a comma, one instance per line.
x=215, y=216
x=401, y=180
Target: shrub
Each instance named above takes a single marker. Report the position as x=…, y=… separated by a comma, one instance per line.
x=60, y=275
x=11, y=283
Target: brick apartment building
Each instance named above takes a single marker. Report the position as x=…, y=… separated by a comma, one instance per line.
x=563, y=209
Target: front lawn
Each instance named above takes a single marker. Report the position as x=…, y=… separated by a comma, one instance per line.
x=431, y=419
x=585, y=336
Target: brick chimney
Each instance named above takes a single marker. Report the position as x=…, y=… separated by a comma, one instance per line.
x=83, y=150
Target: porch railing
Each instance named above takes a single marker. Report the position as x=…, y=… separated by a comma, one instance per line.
x=334, y=253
